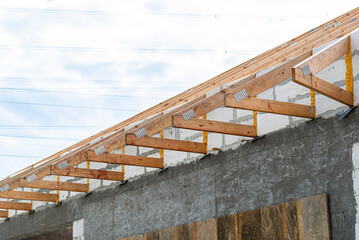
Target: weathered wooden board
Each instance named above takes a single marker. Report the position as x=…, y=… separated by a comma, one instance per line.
x=302, y=219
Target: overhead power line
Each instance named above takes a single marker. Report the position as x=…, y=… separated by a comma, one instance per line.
x=39, y=137
x=19, y=156
x=131, y=50
x=161, y=14
x=68, y=106
x=72, y=92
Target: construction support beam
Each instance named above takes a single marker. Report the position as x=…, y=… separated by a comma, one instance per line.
x=4, y=214
x=270, y=106
x=16, y=206
x=52, y=185
x=125, y=160
x=303, y=73
x=34, y=196
x=87, y=173
x=169, y=144
x=214, y=126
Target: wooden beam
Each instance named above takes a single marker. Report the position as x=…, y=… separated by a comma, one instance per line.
x=35, y=196
x=168, y=144
x=270, y=106
x=323, y=87
x=87, y=173
x=326, y=56
x=16, y=206
x=214, y=126
x=52, y=185
x=126, y=160
x=4, y=214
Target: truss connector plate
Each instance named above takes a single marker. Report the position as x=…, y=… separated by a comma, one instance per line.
x=306, y=70
x=63, y=165
x=123, y=182
x=313, y=30
x=5, y=188
x=343, y=114
x=31, y=178
x=326, y=26
x=162, y=170
x=100, y=150
x=353, y=20
x=256, y=138
x=337, y=24
x=241, y=95
x=188, y=115
x=141, y=133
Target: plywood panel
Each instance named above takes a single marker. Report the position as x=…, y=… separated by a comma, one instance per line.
x=250, y=226
x=303, y=219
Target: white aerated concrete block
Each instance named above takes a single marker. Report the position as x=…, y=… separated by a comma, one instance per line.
x=78, y=229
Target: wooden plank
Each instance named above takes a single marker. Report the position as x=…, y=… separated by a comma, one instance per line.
x=227, y=227
x=326, y=56
x=3, y=214
x=169, y=144
x=137, y=237
x=52, y=185
x=290, y=220
x=272, y=223
x=15, y=205
x=87, y=173
x=250, y=225
x=35, y=196
x=155, y=235
x=323, y=87
x=214, y=126
x=207, y=229
x=313, y=217
x=270, y=106
x=126, y=160
x=185, y=231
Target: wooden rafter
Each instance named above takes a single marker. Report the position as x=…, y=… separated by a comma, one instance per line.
x=169, y=144
x=214, y=126
x=16, y=206
x=126, y=160
x=3, y=214
x=35, y=196
x=316, y=63
x=52, y=185
x=115, y=136
x=270, y=106
x=87, y=173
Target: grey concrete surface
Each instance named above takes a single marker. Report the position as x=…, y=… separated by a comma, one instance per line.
x=312, y=158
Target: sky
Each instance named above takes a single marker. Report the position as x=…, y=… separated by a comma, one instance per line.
x=69, y=69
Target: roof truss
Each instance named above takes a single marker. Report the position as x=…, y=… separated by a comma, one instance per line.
x=195, y=102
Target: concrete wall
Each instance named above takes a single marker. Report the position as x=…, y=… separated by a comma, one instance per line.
x=312, y=158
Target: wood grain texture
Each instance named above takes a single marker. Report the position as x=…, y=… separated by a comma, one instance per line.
x=250, y=225
x=270, y=106
x=207, y=229
x=214, y=126
x=16, y=206
x=3, y=214
x=227, y=227
x=303, y=219
x=125, y=160
x=169, y=144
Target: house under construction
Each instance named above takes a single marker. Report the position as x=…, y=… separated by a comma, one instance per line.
x=266, y=150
